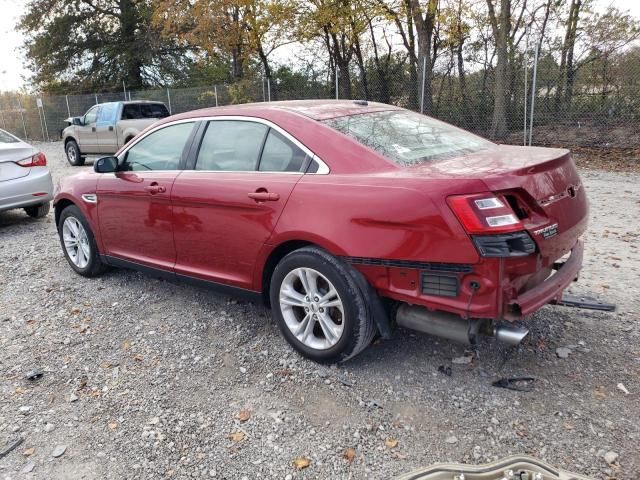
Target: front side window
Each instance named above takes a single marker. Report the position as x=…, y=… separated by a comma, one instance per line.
x=281, y=155
x=408, y=138
x=91, y=115
x=160, y=150
x=231, y=145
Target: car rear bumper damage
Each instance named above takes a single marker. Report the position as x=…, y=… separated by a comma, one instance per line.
x=550, y=290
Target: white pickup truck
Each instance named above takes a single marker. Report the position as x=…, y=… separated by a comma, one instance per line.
x=108, y=126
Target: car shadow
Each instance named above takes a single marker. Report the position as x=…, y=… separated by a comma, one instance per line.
x=18, y=217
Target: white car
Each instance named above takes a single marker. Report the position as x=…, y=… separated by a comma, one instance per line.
x=25, y=180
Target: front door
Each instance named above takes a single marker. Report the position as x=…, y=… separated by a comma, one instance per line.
x=87, y=136
x=226, y=208
x=134, y=204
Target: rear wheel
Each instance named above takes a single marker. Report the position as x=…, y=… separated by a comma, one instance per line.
x=318, y=306
x=78, y=243
x=38, y=211
x=73, y=153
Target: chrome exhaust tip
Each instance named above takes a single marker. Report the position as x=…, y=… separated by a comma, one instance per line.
x=509, y=334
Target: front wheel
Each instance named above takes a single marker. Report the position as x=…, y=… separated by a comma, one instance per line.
x=73, y=153
x=318, y=306
x=37, y=211
x=78, y=243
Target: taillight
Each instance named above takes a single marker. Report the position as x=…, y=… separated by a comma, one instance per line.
x=484, y=213
x=38, y=160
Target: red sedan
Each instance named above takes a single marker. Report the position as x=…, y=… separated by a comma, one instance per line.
x=347, y=218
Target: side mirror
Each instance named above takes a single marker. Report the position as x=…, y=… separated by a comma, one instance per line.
x=106, y=165
x=77, y=121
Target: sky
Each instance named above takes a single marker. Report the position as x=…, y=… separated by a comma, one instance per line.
x=13, y=72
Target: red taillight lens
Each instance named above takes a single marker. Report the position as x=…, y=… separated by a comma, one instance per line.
x=484, y=213
x=38, y=160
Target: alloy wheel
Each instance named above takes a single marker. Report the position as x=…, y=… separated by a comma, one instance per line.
x=312, y=308
x=76, y=242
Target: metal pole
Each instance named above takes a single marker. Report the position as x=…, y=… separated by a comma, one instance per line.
x=336, y=82
x=96, y=95
x=533, y=92
x=24, y=125
x=268, y=89
x=44, y=118
x=41, y=124
x=215, y=92
x=264, y=98
x=169, y=100
x=66, y=97
x=124, y=89
x=526, y=94
x=424, y=71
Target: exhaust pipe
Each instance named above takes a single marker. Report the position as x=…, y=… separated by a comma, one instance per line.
x=453, y=327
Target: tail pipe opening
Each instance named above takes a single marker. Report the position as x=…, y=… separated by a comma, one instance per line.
x=453, y=327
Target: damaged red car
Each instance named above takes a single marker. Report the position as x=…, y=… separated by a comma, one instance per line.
x=346, y=218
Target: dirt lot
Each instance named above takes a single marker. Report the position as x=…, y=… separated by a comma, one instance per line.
x=148, y=379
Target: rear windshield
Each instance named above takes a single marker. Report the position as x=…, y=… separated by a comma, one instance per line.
x=408, y=138
x=138, y=111
x=6, y=138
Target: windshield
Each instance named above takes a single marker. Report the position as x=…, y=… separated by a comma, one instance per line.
x=408, y=138
x=6, y=138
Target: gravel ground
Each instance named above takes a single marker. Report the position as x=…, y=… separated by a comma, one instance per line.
x=147, y=379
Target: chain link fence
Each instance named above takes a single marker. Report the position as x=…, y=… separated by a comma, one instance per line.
x=603, y=110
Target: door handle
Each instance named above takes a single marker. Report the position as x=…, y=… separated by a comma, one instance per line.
x=111, y=128
x=154, y=188
x=93, y=129
x=262, y=195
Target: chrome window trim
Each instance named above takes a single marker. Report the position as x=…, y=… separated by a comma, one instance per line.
x=323, y=168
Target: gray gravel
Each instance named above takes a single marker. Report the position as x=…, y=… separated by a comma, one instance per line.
x=148, y=379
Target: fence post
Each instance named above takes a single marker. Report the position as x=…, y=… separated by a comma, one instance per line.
x=169, y=100
x=424, y=74
x=336, y=82
x=124, y=89
x=38, y=104
x=66, y=97
x=268, y=90
x=526, y=94
x=96, y=95
x=264, y=98
x=533, y=92
x=24, y=125
x=44, y=118
x=215, y=92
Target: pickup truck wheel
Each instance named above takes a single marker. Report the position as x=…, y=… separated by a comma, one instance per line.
x=73, y=153
x=38, y=211
x=318, y=306
x=79, y=244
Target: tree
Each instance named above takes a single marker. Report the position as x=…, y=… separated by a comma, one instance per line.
x=97, y=44
x=501, y=26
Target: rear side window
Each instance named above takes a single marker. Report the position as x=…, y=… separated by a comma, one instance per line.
x=160, y=150
x=131, y=111
x=107, y=115
x=231, y=145
x=281, y=155
x=6, y=138
x=153, y=110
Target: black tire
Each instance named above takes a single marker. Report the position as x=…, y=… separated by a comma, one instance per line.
x=74, y=157
x=358, y=325
x=38, y=211
x=95, y=266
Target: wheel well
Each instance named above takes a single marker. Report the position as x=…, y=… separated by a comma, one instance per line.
x=60, y=206
x=68, y=139
x=278, y=254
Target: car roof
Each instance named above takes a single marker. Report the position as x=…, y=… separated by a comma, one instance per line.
x=314, y=109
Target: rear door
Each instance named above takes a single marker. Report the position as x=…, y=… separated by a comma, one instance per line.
x=227, y=206
x=106, y=128
x=87, y=135
x=134, y=207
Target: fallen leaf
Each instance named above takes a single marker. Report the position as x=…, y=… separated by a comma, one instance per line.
x=126, y=345
x=105, y=365
x=349, y=454
x=20, y=390
x=138, y=358
x=243, y=415
x=112, y=425
x=391, y=443
x=30, y=451
x=301, y=463
x=236, y=436
x=600, y=393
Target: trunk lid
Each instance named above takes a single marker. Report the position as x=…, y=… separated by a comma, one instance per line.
x=542, y=186
x=11, y=153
